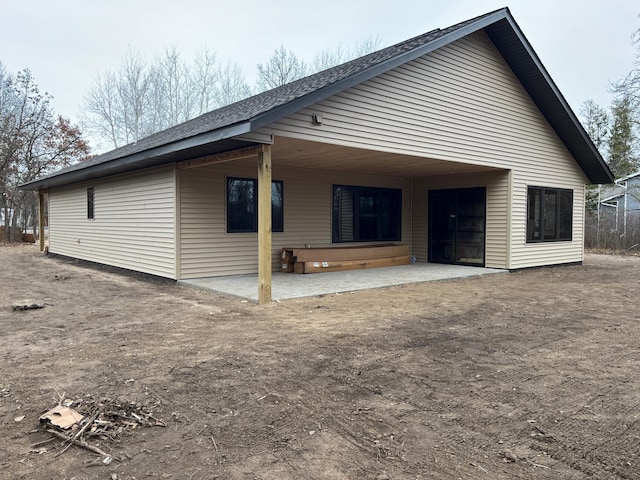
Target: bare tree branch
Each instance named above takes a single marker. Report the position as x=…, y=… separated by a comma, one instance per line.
x=283, y=67
x=33, y=142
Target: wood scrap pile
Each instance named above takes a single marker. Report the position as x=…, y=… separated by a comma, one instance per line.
x=335, y=259
x=79, y=422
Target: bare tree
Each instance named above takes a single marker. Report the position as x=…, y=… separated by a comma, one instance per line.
x=624, y=143
x=33, y=142
x=172, y=81
x=206, y=73
x=116, y=108
x=102, y=114
x=367, y=46
x=596, y=121
x=629, y=86
x=133, y=92
x=141, y=99
x=283, y=67
x=331, y=57
x=231, y=85
x=8, y=121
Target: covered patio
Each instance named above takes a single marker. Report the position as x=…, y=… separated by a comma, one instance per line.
x=310, y=170
x=286, y=286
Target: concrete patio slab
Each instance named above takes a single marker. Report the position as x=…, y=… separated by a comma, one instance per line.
x=289, y=285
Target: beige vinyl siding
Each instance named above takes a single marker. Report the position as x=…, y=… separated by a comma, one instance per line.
x=461, y=103
x=133, y=226
x=206, y=249
x=497, y=232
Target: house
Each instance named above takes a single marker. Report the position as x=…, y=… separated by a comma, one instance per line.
x=619, y=205
x=456, y=142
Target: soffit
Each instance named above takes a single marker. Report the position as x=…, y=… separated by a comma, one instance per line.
x=289, y=152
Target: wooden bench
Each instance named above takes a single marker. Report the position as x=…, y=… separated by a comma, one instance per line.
x=333, y=259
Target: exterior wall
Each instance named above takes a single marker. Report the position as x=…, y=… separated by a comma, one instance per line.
x=133, y=226
x=631, y=201
x=497, y=231
x=622, y=211
x=545, y=253
x=206, y=249
x=461, y=103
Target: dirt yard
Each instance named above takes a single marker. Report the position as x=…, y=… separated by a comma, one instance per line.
x=526, y=375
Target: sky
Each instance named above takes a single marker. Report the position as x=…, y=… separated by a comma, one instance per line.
x=585, y=45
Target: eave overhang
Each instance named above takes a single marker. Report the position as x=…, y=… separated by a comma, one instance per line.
x=200, y=145
x=518, y=53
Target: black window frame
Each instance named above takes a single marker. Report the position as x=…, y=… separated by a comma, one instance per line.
x=251, y=215
x=91, y=203
x=549, y=214
x=378, y=199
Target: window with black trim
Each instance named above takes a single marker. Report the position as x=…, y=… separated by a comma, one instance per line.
x=366, y=214
x=549, y=214
x=242, y=205
x=90, y=202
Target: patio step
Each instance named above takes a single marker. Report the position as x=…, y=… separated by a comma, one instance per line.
x=333, y=259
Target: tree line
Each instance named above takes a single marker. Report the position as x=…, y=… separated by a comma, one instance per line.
x=138, y=99
x=34, y=141
x=142, y=97
x=615, y=130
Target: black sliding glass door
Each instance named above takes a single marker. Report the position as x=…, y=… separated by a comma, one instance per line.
x=457, y=219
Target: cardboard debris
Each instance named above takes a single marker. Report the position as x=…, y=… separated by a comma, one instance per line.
x=104, y=419
x=61, y=416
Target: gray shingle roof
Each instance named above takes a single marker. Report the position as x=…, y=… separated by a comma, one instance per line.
x=610, y=192
x=618, y=189
x=218, y=126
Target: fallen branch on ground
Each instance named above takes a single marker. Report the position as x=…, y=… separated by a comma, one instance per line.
x=74, y=421
x=81, y=443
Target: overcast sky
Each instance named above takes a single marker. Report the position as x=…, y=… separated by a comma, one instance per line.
x=584, y=44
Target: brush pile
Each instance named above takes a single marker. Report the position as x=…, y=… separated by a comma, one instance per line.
x=86, y=422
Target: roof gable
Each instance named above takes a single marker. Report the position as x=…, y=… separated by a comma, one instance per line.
x=215, y=130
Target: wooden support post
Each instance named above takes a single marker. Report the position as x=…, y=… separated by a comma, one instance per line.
x=41, y=219
x=264, y=225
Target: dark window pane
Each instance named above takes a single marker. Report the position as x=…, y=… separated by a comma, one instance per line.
x=90, y=202
x=565, y=214
x=343, y=214
x=242, y=205
x=534, y=215
x=364, y=214
x=390, y=217
x=277, y=206
x=368, y=218
x=550, y=214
